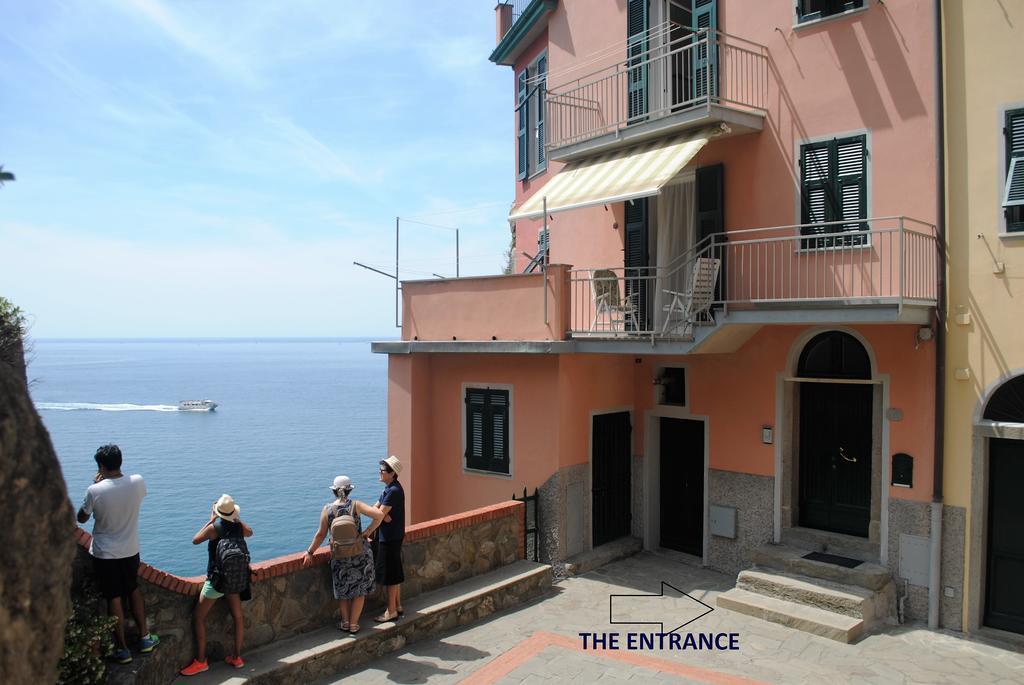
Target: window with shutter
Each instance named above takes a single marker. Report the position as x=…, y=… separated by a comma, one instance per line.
x=705, y=63
x=636, y=42
x=1013, y=192
x=522, y=136
x=833, y=188
x=487, y=430
x=810, y=10
x=635, y=261
x=542, y=82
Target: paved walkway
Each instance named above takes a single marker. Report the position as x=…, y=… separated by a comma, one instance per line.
x=539, y=644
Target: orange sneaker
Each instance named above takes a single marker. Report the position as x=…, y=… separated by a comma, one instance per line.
x=195, y=668
x=235, y=661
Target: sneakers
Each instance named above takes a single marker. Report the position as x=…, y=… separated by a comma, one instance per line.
x=121, y=656
x=147, y=643
x=235, y=661
x=194, y=668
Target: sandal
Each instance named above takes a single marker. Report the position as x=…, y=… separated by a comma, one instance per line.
x=344, y=626
x=386, y=617
x=401, y=611
x=353, y=629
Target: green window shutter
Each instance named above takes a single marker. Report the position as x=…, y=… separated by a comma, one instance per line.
x=1013, y=193
x=542, y=74
x=815, y=194
x=705, y=63
x=498, y=424
x=851, y=186
x=522, y=135
x=487, y=420
x=833, y=187
x=476, y=448
x=1015, y=184
x=636, y=42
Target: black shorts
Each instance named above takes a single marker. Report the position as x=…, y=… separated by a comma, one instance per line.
x=116, y=577
x=387, y=558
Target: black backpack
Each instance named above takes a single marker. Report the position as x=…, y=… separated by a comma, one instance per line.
x=231, y=566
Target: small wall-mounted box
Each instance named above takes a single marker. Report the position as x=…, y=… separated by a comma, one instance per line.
x=902, y=470
x=722, y=521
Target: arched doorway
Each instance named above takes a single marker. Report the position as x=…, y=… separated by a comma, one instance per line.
x=1004, y=554
x=835, y=434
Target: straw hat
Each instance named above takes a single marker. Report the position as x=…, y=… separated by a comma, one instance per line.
x=393, y=463
x=226, y=508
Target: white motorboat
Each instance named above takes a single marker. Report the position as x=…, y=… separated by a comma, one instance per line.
x=197, y=405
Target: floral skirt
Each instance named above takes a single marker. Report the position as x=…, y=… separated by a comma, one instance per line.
x=353, y=577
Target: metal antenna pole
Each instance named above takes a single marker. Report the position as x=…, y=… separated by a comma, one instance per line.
x=456, y=253
x=544, y=262
x=398, y=283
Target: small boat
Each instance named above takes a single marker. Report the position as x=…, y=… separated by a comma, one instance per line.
x=197, y=405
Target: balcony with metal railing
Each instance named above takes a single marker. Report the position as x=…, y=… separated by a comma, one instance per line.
x=878, y=270
x=517, y=24
x=670, y=81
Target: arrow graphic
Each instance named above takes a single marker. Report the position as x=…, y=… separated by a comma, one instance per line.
x=670, y=607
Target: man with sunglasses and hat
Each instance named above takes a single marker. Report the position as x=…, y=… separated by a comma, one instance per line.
x=388, y=554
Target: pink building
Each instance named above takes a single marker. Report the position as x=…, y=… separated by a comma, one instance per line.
x=720, y=335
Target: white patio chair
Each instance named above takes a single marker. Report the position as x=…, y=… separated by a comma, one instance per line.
x=618, y=313
x=692, y=303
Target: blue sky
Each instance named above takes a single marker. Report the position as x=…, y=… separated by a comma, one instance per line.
x=212, y=168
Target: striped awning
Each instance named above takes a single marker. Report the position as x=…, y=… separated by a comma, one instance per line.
x=624, y=174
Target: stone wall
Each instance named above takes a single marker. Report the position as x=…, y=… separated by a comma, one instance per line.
x=289, y=600
x=909, y=518
x=914, y=518
x=754, y=498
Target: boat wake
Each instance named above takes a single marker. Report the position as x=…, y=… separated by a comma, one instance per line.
x=87, y=406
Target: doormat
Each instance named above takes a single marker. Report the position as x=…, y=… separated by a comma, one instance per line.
x=845, y=562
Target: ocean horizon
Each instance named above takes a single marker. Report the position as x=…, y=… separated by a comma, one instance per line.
x=293, y=413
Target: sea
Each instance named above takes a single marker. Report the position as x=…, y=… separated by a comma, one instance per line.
x=291, y=415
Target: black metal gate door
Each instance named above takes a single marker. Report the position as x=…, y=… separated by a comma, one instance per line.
x=682, y=485
x=1004, y=591
x=611, y=477
x=835, y=457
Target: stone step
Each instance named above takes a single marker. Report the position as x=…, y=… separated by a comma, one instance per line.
x=327, y=651
x=793, y=615
x=830, y=543
x=848, y=600
x=868, y=575
x=585, y=562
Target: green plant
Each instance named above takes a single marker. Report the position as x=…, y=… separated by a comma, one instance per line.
x=12, y=329
x=87, y=640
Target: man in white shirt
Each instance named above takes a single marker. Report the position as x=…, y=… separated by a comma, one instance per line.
x=115, y=500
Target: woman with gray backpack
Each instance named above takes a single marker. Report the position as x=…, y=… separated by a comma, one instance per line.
x=227, y=575
x=352, y=567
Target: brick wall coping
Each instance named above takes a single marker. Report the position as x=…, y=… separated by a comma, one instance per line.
x=291, y=563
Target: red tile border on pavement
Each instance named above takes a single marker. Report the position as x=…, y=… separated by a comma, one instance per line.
x=505, y=663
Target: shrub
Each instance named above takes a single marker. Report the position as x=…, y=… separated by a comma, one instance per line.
x=87, y=640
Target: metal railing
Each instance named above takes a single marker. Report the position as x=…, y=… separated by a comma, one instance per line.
x=518, y=7
x=666, y=72
x=884, y=261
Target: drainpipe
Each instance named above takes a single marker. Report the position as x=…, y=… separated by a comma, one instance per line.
x=934, y=575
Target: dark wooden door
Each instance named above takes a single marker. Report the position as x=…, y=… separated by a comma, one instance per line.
x=1004, y=581
x=835, y=457
x=682, y=485
x=610, y=477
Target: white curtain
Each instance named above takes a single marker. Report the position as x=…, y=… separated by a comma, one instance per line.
x=677, y=228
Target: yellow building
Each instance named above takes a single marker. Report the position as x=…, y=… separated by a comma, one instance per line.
x=983, y=485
